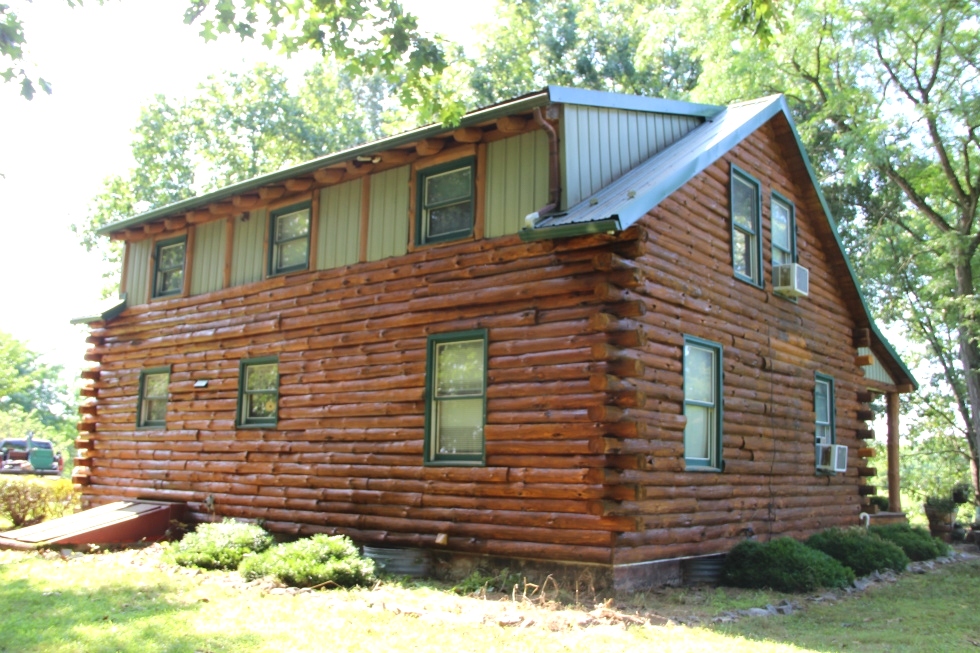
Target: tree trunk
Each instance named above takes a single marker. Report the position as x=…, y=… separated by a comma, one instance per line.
x=970, y=359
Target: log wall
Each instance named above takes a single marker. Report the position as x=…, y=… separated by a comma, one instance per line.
x=346, y=455
x=773, y=347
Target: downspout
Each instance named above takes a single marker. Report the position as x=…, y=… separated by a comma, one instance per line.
x=554, y=172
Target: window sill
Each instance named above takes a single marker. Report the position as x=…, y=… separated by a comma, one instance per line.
x=455, y=463
x=270, y=426
x=751, y=282
x=705, y=470
x=289, y=272
x=464, y=239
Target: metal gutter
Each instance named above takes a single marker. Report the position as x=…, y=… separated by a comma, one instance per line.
x=109, y=310
x=608, y=225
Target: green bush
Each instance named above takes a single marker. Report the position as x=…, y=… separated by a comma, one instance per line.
x=880, y=502
x=24, y=500
x=317, y=560
x=858, y=549
x=219, y=546
x=915, y=541
x=784, y=565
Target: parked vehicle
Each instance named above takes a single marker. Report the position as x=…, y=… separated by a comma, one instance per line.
x=29, y=456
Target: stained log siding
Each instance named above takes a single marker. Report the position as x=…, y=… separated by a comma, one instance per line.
x=346, y=455
x=773, y=347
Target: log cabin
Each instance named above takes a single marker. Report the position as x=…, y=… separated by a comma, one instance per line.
x=579, y=328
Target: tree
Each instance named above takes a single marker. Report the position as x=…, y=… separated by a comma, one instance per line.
x=12, y=51
x=233, y=129
x=369, y=37
x=888, y=101
x=32, y=396
x=611, y=46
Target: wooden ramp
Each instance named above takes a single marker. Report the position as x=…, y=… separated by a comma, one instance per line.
x=121, y=522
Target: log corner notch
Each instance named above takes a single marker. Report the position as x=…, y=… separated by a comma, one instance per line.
x=616, y=362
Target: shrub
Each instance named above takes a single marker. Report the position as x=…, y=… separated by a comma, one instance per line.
x=64, y=498
x=313, y=561
x=219, y=546
x=880, y=502
x=915, y=541
x=860, y=550
x=784, y=565
x=24, y=500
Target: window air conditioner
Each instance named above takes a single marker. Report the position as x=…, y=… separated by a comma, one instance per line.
x=792, y=280
x=832, y=457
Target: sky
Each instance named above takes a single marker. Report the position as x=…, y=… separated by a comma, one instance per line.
x=104, y=63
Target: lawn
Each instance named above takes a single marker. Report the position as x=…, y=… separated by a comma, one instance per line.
x=130, y=601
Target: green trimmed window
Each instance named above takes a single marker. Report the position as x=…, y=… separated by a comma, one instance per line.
x=702, y=403
x=824, y=405
x=289, y=242
x=151, y=405
x=746, y=247
x=258, y=392
x=456, y=398
x=168, y=268
x=445, y=203
x=783, y=231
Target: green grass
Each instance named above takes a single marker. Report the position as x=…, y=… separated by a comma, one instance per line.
x=933, y=612
x=107, y=603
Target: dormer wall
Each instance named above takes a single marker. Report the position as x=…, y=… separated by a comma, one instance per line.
x=370, y=216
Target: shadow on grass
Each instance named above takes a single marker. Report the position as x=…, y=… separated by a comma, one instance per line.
x=114, y=617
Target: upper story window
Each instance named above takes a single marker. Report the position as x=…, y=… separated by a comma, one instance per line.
x=456, y=389
x=746, y=248
x=151, y=405
x=289, y=244
x=824, y=405
x=445, y=202
x=702, y=403
x=258, y=392
x=168, y=268
x=783, y=231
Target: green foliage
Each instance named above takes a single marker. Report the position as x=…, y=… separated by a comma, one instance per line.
x=25, y=500
x=614, y=46
x=915, y=541
x=219, y=546
x=374, y=37
x=784, y=565
x=318, y=560
x=942, y=505
x=478, y=581
x=861, y=551
x=880, y=502
x=33, y=397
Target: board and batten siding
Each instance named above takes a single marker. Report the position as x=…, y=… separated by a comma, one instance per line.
x=600, y=145
x=875, y=371
x=516, y=182
x=339, y=236
x=388, y=214
x=248, y=250
x=137, y=278
x=207, y=272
